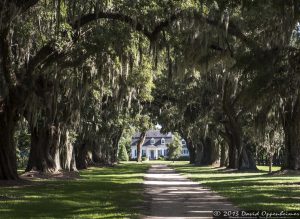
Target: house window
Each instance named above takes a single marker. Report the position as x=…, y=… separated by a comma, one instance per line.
x=185, y=151
x=152, y=141
x=135, y=153
x=166, y=152
x=143, y=152
x=183, y=142
x=159, y=153
x=162, y=141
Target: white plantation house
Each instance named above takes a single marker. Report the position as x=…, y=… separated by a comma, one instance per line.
x=155, y=145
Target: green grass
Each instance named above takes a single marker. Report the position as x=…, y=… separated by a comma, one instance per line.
x=248, y=190
x=266, y=168
x=110, y=192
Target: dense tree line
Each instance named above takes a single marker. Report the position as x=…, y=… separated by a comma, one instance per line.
x=223, y=74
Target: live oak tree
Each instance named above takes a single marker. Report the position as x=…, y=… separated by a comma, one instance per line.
x=21, y=65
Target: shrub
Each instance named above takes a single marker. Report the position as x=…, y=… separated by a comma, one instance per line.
x=175, y=147
x=145, y=159
x=123, y=155
x=183, y=158
x=161, y=158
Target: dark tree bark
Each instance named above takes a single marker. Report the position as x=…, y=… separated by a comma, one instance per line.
x=192, y=150
x=239, y=156
x=210, y=152
x=291, y=127
x=231, y=126
x=97, y=153
x=292, y=147
x=199, y=153
x=139, y=146
x=44, y=151
x=8, y=161
x=246, y=160
x=82, y=156
x=115, y=146
x=232, y=149
x=207, y=152
x=224, y=154
x=9, y=101
x=232, y=157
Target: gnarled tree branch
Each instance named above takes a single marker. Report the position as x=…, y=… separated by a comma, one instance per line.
x=85, y=19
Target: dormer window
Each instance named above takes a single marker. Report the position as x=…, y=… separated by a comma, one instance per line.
x=163, y=141
x=152, y=141
x=183, y=142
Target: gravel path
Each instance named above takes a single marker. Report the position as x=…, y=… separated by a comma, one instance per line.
x=171, y=195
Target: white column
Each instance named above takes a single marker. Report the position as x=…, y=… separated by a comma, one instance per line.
x=147, y=152
x=156, y=153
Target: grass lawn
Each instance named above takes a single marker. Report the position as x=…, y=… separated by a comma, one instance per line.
x=248, y=190
x=110, y=192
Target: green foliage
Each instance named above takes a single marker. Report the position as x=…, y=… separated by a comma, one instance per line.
x=23, y=141
x=162, y=158
x=183, y=158
x=111, y=73
x=175, y=147
x=123, y=155
x=127, y=134
x=144, y=158
x=143, y=122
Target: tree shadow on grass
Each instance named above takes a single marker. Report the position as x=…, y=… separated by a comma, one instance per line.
x=114, y=194
x=249, y=190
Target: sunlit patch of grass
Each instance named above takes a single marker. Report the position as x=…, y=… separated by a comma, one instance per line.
x=248, y=190
x=266, y=168
x=108, y=192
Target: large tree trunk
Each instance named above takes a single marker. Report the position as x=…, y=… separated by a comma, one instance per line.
x=199, y=153
x=246, y=160
x=232, y=157
x=81, y=155
x=11, y=97
x=224, y=154
x=67, y=153
x=234, y=140
x=97, y=152
x=8, y=161
x=292, y=145
x=270, y=162
x=192, y=150
x=231, y=125
x=210, y=152
x=291, y=128
x=44, y=151
x=239, y=156
x=115, y=146
x=206, y=152
x=139, y=146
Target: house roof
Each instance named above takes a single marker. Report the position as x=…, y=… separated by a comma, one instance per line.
x=156, y=135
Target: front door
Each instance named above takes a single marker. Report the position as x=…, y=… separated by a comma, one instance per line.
x=152, y=154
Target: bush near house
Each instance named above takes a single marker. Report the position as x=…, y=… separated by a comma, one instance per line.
x=183, y=158
x=161, y=158
x=144, y=158
x=123, y=155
